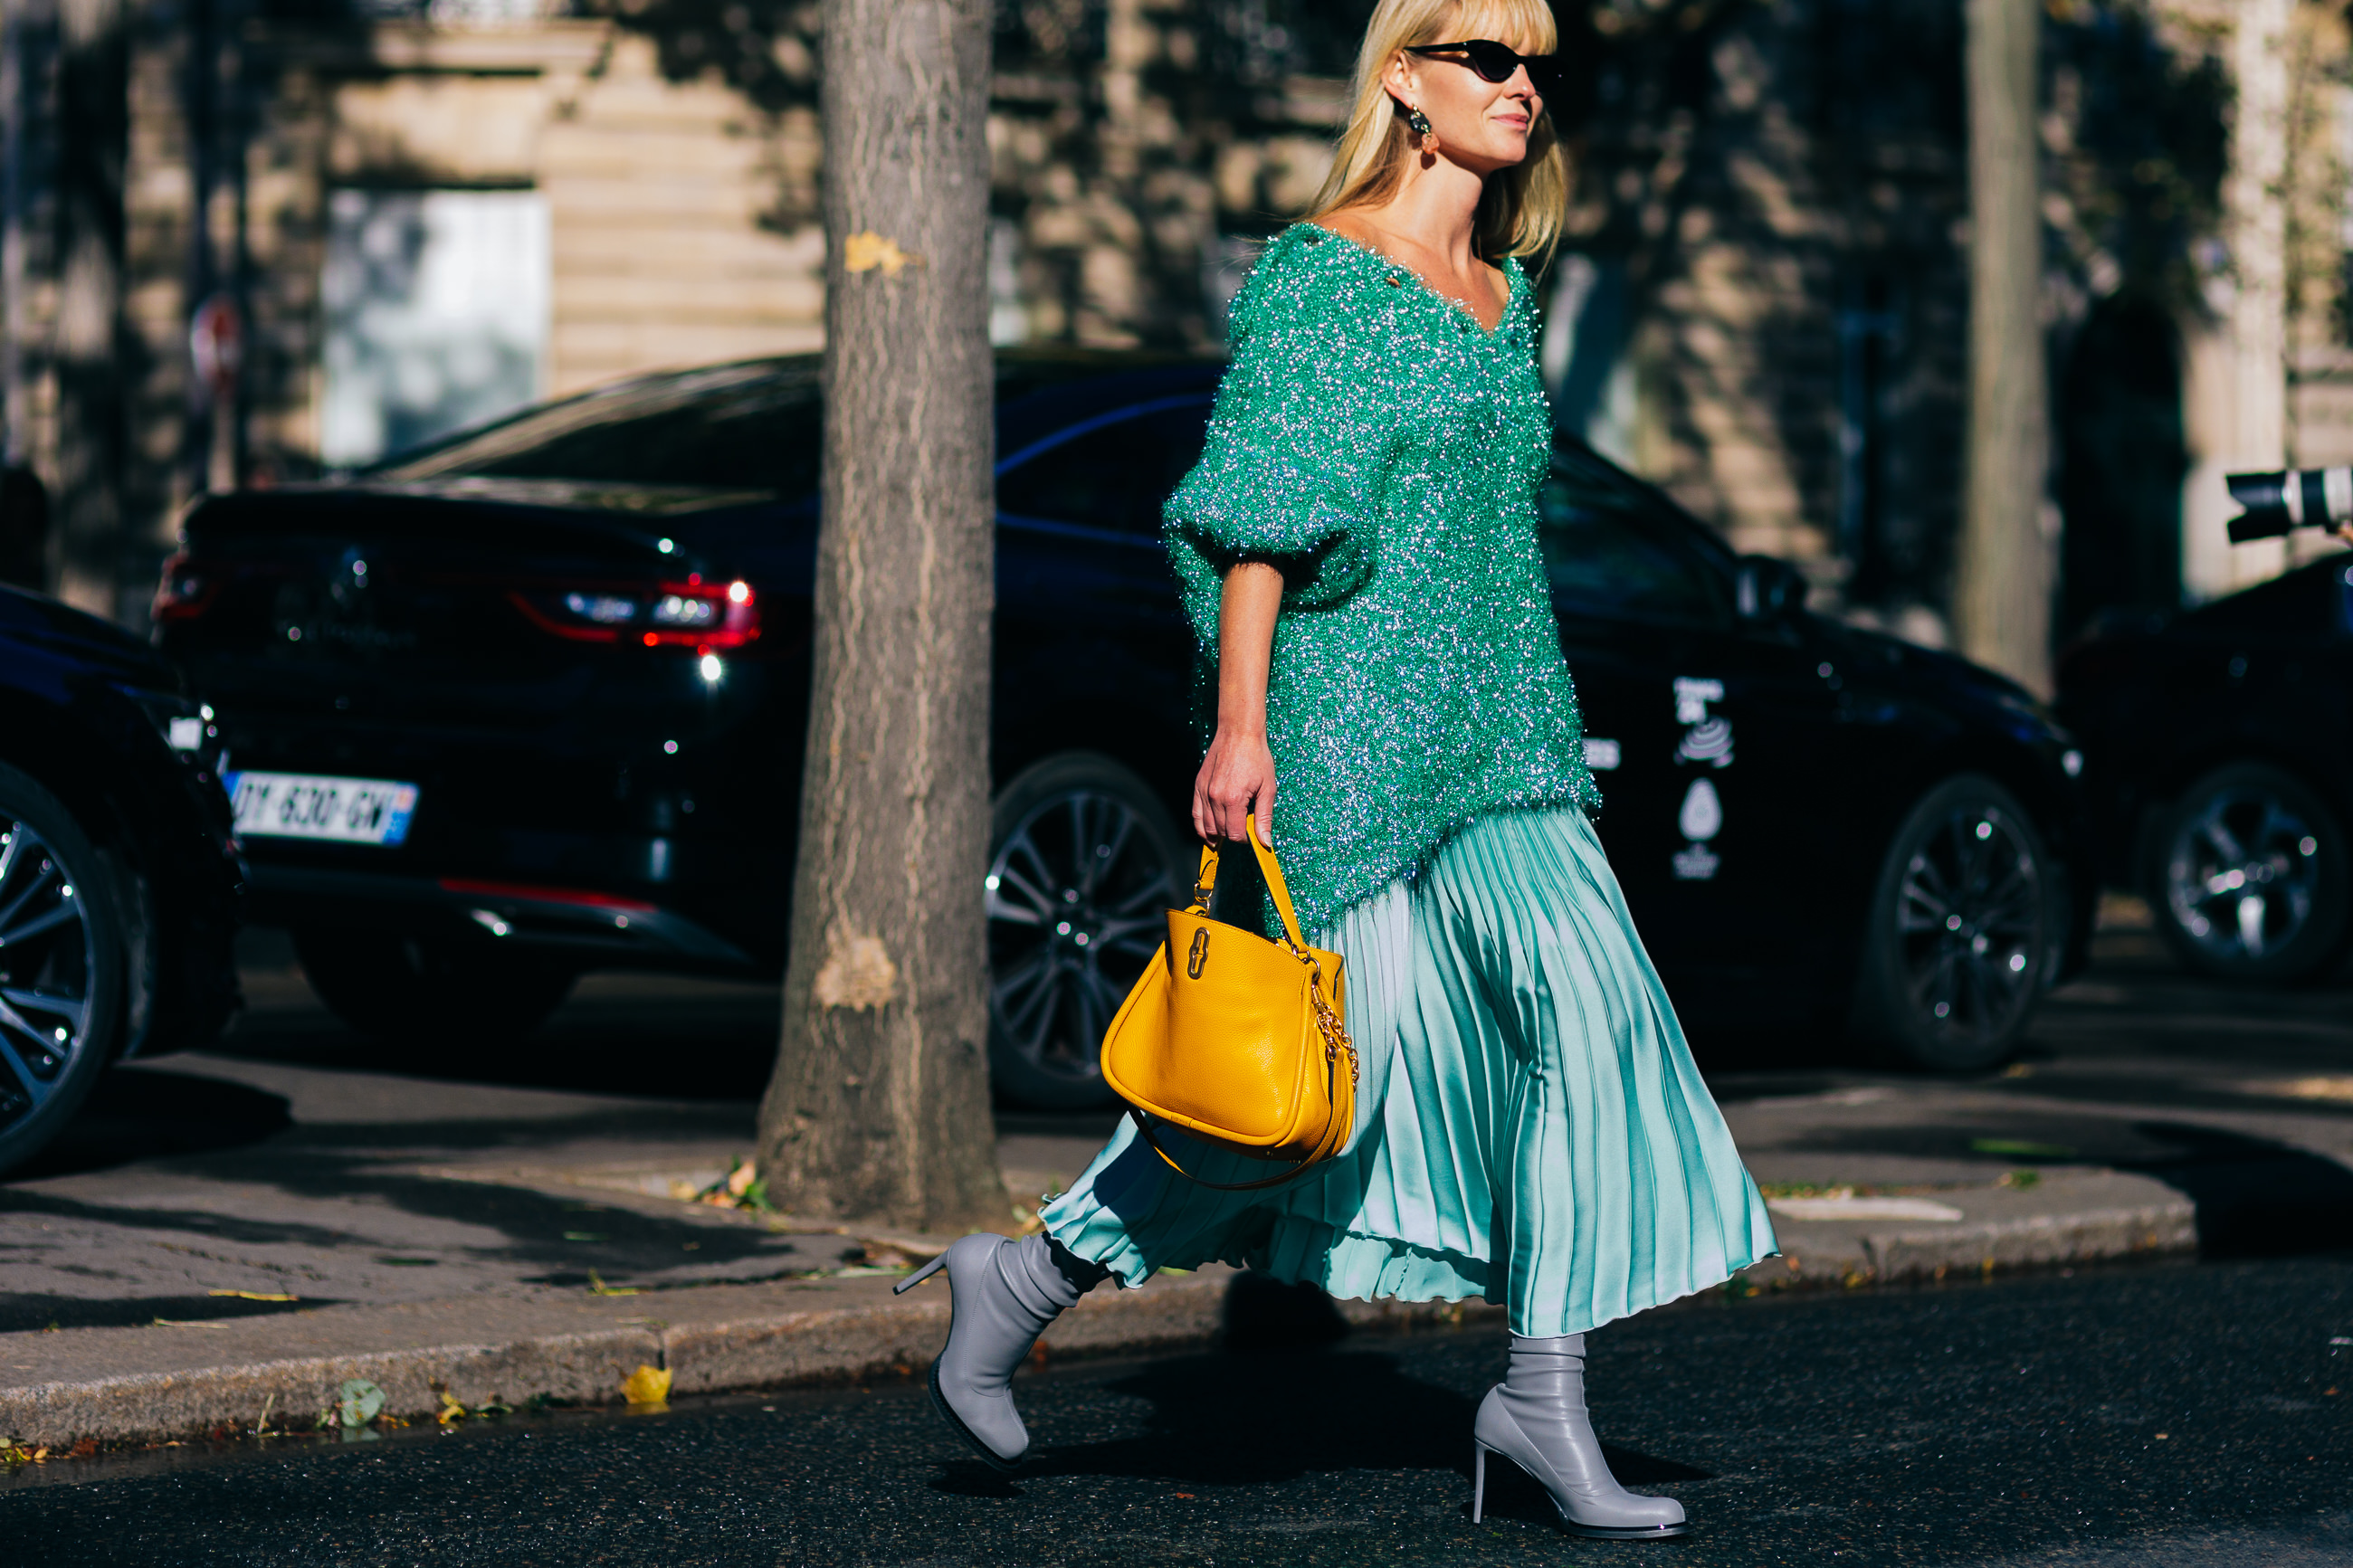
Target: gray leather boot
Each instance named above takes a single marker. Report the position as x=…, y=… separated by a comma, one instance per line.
x=1006, y=1293
x=1535, y=1418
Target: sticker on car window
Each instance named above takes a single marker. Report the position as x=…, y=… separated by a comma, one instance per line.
x=1701, y=820
x=1691, y=697
x=1709, y=741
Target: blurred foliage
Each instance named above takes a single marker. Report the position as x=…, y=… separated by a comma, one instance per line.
x=2136, y=139
x=765, y=49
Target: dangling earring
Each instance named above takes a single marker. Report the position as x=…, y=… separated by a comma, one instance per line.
x=1421, y=124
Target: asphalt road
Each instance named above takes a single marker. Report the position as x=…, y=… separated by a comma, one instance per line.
x=2164, y=1415
x=2153, y=1416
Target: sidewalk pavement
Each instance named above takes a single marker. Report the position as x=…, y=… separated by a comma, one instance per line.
x=505, y=1241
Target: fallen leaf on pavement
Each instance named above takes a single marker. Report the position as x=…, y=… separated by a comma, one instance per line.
x=647, y=1385
x=892, y=1252
x=359, y=1402
x=452, y=1408
x=741, y=1188
x=597, y=1286
x=256, y=1295
x=2019, y=1149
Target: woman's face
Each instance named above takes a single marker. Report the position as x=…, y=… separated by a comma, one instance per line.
x=1482, y=125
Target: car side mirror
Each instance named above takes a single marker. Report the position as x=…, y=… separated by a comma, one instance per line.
x=1768, y=589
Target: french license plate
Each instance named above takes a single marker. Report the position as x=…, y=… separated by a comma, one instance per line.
x=311, y=806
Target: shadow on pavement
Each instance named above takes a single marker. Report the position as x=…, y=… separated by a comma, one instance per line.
x=560, y=1240
x=1327, y=1412
x=31, y=1313
x=1264, y=1314
x=143, y=1112
x=672, y=1045
x=1278, y=1401
x=2255, y=1198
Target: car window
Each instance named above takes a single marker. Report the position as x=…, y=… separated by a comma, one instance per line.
x=727, y=429
x=1114, y=477
x=1605, y=556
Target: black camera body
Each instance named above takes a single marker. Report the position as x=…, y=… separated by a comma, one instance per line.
x=2299, y=497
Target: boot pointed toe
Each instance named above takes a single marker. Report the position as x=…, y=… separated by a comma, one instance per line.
x=992, y=1427
x=1006, y=1292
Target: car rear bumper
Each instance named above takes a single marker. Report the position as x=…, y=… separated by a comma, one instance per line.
x=599, y=928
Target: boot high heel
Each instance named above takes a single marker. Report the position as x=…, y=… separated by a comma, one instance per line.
x=1536, y=1419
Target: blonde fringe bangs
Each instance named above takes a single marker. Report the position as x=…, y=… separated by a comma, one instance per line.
x=1523, y=207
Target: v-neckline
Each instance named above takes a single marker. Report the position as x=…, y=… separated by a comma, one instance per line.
x=1513, y=279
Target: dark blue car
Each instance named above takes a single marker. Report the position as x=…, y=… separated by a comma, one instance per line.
x=119, y=883
x=533, y=701
x=2221, y=741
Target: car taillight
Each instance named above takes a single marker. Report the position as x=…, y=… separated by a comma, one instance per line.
x=694, y=614
x=185, y=590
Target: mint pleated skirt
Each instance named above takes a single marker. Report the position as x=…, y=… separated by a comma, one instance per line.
x=1530, y=1126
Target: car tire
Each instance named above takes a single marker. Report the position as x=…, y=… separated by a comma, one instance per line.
x=1963, y=932
x=63, y=942
x=1084, y=866
x=2247, y=875
x=387, y=985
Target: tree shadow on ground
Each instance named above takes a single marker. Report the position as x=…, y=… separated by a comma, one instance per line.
x=718, y=1047
x=29, y=1312
x=139, y=1114
x=559, y=1240
x=2255, y=1197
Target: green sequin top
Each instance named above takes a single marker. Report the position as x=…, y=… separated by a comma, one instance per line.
x=1375, y=442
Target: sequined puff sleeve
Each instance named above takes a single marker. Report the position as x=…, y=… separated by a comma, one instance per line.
x=1297, y=448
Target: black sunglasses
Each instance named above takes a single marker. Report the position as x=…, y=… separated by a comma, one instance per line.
x=1496, y=62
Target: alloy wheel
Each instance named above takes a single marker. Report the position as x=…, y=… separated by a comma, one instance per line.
x=1078, y=896
x=2241, y=874
x=1970, y=912
x=48, y=959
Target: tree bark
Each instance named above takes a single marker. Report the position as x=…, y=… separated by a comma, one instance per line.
x=2003, y=574
x=879, y=1106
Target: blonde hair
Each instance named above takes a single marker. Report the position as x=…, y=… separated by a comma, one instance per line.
x=1520, y=212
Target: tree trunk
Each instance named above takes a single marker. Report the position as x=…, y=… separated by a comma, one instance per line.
x=878, y=1108
x=2002, y=592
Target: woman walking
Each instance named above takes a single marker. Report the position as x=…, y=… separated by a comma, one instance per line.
x=1358, y=550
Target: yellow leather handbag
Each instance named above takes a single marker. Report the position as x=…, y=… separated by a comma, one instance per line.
x=1238, y=1040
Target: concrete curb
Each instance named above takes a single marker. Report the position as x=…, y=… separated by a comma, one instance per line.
x=2089, y=1217
x=131, y=1384
x=171, y=1381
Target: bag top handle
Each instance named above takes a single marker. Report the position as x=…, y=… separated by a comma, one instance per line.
x=1269, y=868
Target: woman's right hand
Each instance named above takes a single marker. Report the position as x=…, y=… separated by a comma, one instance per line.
x=1236, y=779
x=1238, y=776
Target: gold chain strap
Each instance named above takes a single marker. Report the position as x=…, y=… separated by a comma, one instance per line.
x=1328, y=1023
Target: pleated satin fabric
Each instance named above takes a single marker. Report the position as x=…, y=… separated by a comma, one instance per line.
x=1530, y=1127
